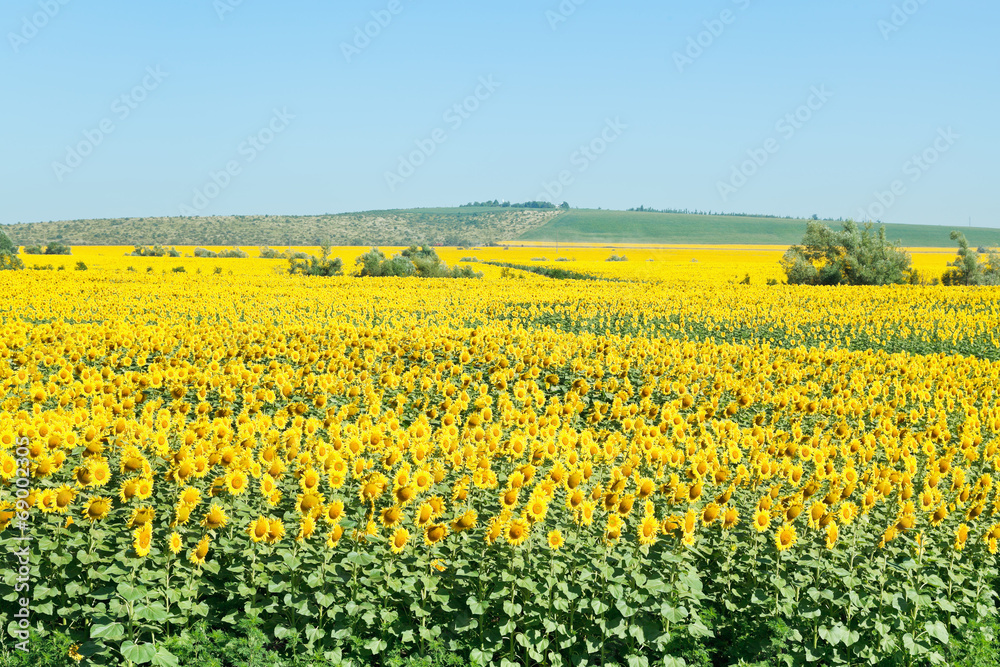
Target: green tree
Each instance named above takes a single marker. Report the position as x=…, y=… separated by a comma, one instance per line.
x=317, y=266
x=853, y=256
x=6, y=245
x=968, y=269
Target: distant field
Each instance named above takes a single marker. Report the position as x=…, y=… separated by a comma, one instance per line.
x=592, y=226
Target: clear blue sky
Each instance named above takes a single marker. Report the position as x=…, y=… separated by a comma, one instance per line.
x=686, y=124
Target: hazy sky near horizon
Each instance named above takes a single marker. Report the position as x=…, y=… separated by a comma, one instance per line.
x=854, y=108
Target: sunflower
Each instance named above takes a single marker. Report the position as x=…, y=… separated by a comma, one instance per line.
x=141, y=516
x=334, y=512
x=648, y=529
x=613, y=528
x=832, y=533
x=215, y=518
x=334, y=537
x=275, y=530
x=464, y=522
x=236, y=482
x=517, y=531
x=143, y=540
x=399, y=539
x=494, y=530
x=961, y=536
x=258, y=529
x=434, y=533
x=785, y=537
x=710, y=514
x=391, y=516
x=730, y=517
x=97, y=508
x=200, y=551
x=144, y=488
x=306, y=528
x=536, y=509
x=174, y=543
x=762, y=520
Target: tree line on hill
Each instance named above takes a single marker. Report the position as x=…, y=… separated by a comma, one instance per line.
x=496, y=203
x=689, y=211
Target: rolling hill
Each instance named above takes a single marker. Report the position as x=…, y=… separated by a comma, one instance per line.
x=466, y=226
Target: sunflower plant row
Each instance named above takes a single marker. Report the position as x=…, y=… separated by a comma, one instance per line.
x=440, y=467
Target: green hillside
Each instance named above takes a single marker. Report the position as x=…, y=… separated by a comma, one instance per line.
x=448, y=226
x=592, y=226
x=464, y=226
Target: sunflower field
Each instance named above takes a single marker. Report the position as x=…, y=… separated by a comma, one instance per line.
x=664, y=469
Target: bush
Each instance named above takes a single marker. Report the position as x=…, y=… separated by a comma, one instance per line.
x=56, y=248
x=203, y=252
x=270, y=253
x=179, y=269
x=155, y=251
x=420, y=262
x=10, y=262
x=317, y=266
x=854, y=256
x=80, y=266
x=968, y=269
x=616, y=258
x=6, y=245
x=33, y=250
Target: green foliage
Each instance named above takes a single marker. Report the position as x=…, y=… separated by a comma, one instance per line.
x=270, y=253
x=549, y=272
x=80, y=266
x=317, y=266
x=968, y=269
x=56, y=248
x=854, y=256
x=616, y=258
x=34, y=250
x=179, y=269
x=6, y=245
x=233, y=253
x=10, y=262
x=420, y=262
x=155, y=251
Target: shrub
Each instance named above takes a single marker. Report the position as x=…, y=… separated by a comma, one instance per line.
x=968, y=269
x=56, y=248
x=10, y=262
x=317, y=266
x=80, y=266
x=203, y=252
x=33, y=250
x=270, y=253
x=6, y=245
x=854, y=256
x=420, y=262
x=155, y=251
x=179, y=269
x=616, y=258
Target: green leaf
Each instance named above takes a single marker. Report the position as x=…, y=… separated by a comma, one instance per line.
x=138, y=653
x=938, y=631
x=107, y=631
x=131, y=593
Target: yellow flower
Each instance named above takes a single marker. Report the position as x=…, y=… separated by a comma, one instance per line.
x=399, y=539
x=555, y=539
x=174, y=543
x=275, y=530
x=215, y=518
x=785, y=537
x=200, y=551
x=143, y=539
x=517, y=531
x=97, y=508
x=236, y=482
x=434, y=533
x=648, y=529
x=762, y=520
